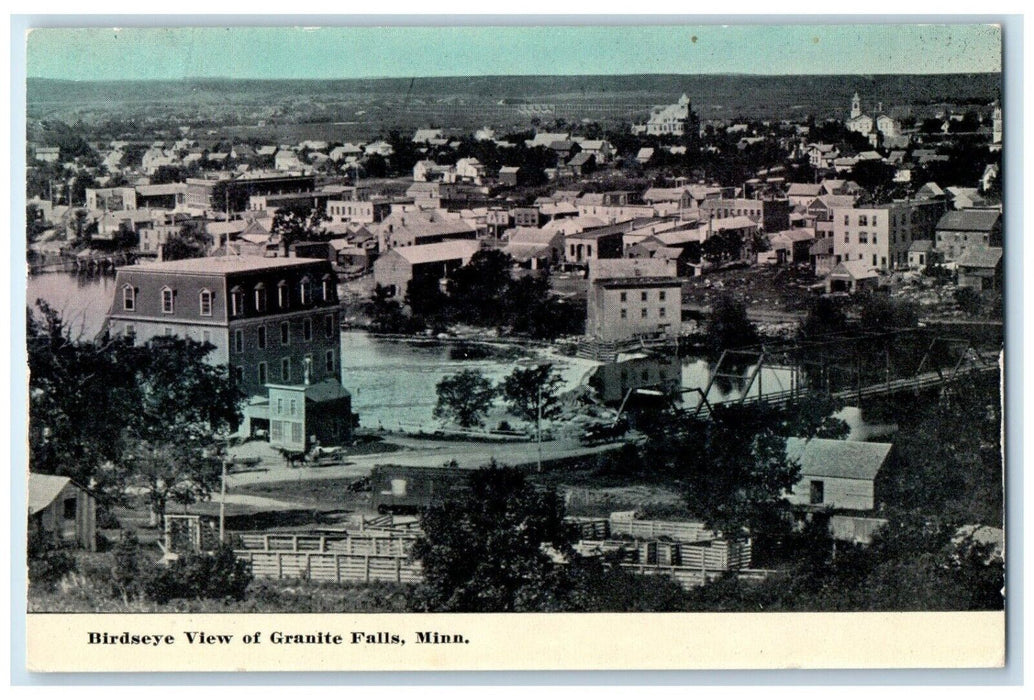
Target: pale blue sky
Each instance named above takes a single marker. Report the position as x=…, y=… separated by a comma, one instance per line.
x=360, y=52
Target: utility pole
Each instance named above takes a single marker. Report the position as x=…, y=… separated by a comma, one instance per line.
x=538, y=425
x=222, y=505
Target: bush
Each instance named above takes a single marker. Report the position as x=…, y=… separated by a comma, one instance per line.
x=48, y=561
x=48, y=564
x=968, y=300
x=126, y=575
x=218, y=575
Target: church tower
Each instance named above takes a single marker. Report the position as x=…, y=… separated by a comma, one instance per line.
x=856, y=106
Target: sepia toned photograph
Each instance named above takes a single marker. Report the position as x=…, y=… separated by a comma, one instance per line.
x=505, y=319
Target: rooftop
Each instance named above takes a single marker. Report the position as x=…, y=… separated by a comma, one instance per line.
x=969, y=220
x=841, y=459
x=222, y=265
x=434, y=252
x=43, y=489
x=981, y=257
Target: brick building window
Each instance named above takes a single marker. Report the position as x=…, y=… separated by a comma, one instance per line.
x=236, y=301
x=128, y=298
x=205, y=302
x=167, y=300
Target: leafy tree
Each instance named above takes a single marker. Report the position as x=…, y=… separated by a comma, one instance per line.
x=426, y=300
x=190, y=242
x=464, y=397
x=386, y=314
x=197, y=576
x=80, y=183
x=163, y=402
x=165, y=174
x=814, y=417
x=172, y=450
x=482, y=550
x=82, y=231
x=731, y=469
x=825, y=317
x=376, y=165
x=874, y=175
x=914, y=563
x=34, y=224
x=48, y=562
x=299, y=223
x=478, y=289
x=968, y=300
x=881, y=314
x=728, y=325
x=532, y=392
x=949, y=459
x=69, y=378
x=126, y=237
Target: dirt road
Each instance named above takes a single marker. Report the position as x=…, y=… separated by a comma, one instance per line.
x=468, y=455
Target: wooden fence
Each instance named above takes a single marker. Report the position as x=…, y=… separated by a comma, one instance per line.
x=320, y=566
x=654, y=529
x=715, y=555
x=690, y=578
x=367, y=557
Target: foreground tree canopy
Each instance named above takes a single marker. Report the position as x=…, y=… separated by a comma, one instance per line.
x=109, y=414
x=502, y=546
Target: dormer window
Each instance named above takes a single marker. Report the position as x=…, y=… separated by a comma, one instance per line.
x=236, y=301
x=260, y=297
x=128, y=298
x=167, y=300
x=306, y=288
x=205, y=302
x=283, y=295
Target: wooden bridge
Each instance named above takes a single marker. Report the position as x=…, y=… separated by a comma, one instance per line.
x=846, y=367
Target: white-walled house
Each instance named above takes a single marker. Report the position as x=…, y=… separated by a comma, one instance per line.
x=839, y=474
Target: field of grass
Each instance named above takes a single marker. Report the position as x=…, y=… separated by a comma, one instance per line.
x=87, y=590
x=323, y=494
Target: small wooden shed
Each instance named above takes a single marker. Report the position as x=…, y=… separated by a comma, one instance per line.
x=838, y=474
x=63, y=510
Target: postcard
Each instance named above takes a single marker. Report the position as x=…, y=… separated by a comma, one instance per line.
x=515, y=347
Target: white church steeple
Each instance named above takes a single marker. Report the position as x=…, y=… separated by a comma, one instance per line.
x=856, y=106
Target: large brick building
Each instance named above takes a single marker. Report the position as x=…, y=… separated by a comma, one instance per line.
x=272, y=320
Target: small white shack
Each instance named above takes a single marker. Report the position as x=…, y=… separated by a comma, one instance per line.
x=63, y=510
x=837, y=474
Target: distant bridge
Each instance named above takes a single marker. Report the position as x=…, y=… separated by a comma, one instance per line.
x=847, y=367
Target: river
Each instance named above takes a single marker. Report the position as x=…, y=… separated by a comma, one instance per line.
x=82, y=300
x=393, y=381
